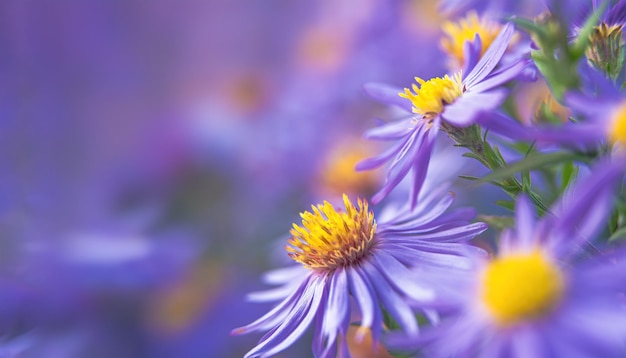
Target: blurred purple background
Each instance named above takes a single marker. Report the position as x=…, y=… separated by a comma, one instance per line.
x=155, y=152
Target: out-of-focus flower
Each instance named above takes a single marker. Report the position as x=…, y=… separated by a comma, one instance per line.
x=349, y=253
x=537, y=297
x=457, y=33
x=457, y=101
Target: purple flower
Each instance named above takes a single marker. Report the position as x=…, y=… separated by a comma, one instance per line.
x=459, y=101
x=538, y=297
x=347, y=254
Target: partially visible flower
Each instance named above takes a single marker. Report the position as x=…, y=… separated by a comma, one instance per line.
x=348, y=253
x=460, y=100
x=604, y=122
x=538, y=297
x=457, y=33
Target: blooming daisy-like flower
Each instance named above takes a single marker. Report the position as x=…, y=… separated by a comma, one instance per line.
x=460, y=100
x=538, y=297
x=349, y=253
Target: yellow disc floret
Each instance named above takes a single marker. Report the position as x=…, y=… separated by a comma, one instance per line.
x=456, y=34
x=521, y=287
x=617, y=129
x=329, y=239
x=431, y=96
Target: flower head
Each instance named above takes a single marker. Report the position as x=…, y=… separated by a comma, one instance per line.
x=352, y=253
x=538, y=297
x=458, y=101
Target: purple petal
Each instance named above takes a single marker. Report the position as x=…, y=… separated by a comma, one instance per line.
x=278, y=313
x=525, y=221
x=583, y=216
x=399, y=277
x=393, y=303
x=364, y=294
x=388, y=94
x=471, y=53
x=466, y=109
x=391, y=131
x=506, y=126
x=491, y=58
x=501, y=76
x=294, y=324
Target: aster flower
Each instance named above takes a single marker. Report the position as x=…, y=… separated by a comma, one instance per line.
x=460, y=100
x=539, y=297
x=349, y=253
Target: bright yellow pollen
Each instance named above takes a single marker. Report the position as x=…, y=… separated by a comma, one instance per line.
x=329, y=239
x=617, y=131
x=431, y=96
x=456, y=34
x=521, y=287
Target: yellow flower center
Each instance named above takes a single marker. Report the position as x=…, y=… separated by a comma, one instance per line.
x=329, y=239
x=617, y=130
x=431, y=96
x=521, y=287
x=456, y=34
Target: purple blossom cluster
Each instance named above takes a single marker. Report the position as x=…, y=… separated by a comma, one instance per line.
x=465, y=162
x=415, y=275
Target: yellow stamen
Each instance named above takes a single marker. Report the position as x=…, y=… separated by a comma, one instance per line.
x=617, y=130
x=431, y=96
x=521, y=287
x=329, y=239
x=456, y=34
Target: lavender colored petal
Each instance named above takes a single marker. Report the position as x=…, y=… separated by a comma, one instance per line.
x=501, y=76
x=528, y=342
x=409, y=218
x=525, y=221
x=294, y=325
x=467, y=108
x=617, y=14
x=337, y=313
x=284, y=275
x=388, y=94
x=390, y=131
x=270, y=295
x=392, y=302
x=400, y=277
x=416, y=257
x=586, y=214
x=278, y=313
x=506, y=126
x=420, y=163
x=570, y=134
x=384, y=157
x=403, y=162
x=491, y=58
x=586, y=104
x=365, y=295
x=471, y=54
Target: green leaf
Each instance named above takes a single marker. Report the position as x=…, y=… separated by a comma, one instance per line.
x=531, y=162
x=618, y=235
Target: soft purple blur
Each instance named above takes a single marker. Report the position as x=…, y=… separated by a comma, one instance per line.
x=152, y=153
